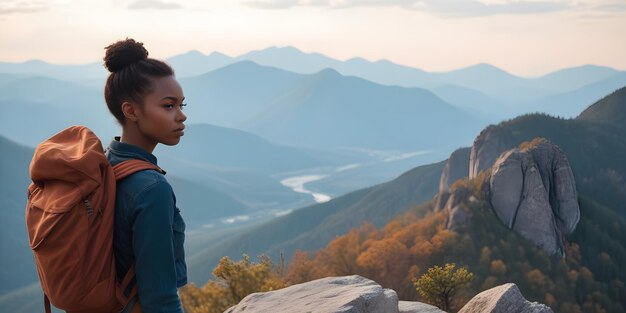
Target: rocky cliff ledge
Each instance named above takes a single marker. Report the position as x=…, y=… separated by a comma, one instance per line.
x=357, y=294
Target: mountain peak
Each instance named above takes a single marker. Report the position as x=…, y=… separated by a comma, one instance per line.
x=329, y=72
x=35, y=62
x=282, y=50
x=484, y=70
x=217, y=54
x=485, y=67
x=243, y=65
x=610, y=109
x=194, y=53
x=358, y=60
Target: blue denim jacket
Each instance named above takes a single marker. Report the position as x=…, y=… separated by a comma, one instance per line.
x=149, y=232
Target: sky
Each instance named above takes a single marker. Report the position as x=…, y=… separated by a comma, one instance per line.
x=524, y=37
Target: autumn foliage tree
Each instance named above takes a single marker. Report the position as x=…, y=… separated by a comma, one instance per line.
x=234, y=281
x=439, y=285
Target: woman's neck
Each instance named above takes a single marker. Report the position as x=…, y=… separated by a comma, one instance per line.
x=135, y=137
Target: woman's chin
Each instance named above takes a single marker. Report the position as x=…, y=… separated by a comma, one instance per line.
x=171, y=141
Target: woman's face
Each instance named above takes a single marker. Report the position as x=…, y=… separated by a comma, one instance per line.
x=161, y=119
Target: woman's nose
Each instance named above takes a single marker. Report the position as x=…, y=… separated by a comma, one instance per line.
x=181, y=116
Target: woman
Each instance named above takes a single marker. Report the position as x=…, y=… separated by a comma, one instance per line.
x=147, y=101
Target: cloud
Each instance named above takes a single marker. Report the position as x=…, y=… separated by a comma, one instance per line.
x=455, y=8
x=612, y=7
x=466, y=8
x=11, y=7
x=283, y=4
x=153, y=4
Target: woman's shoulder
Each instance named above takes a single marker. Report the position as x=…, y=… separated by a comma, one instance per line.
x=146, y=181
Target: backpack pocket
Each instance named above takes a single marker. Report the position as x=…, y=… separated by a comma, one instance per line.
x=40, y=220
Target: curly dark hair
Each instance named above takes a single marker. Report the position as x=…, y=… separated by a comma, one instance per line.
x=131, y=72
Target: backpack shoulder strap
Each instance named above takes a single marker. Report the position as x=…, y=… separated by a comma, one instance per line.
x=122, y=170
x=129, y=167
x=123, y=288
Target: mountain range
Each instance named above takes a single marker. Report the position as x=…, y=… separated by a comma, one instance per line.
x=515, y=95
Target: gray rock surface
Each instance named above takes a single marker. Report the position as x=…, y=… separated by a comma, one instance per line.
x=454, y=203
x=503, y=299
x=458, y=218
x=417, y=307
x=486, y=149
x=353, y=294
x=533, y=192
x=357, y=294
x=456, y=167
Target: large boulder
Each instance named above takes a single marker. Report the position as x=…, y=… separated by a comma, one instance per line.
x=533, y=192
x=503, y=299
x=354, y=294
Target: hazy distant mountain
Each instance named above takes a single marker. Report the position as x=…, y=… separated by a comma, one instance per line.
x=194, y=63
x=495, y=83
x=17, y=266
x=5, y=78
x=383, y=71
x=241, y=165
x=311, y=227
x=229, y=95
x=482, y=77
x=200, y=205
x=479, y=105
x=72, y=72
x=232, y=148
x=291, y=59
x=572, y=103
x=327, y=109
x=58, y=93
x=30, y=123
x=522, y=95
x=573, y=78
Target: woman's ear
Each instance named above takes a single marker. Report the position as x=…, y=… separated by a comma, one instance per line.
x=130, y=111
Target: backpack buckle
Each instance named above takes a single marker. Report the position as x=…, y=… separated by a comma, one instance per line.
x=89, y=207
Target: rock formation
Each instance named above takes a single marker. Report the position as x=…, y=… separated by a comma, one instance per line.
x=487, y=149
x=533, y=192
x=503, y=299
x=346, y=294
x=456, y=167
x=356, y=294
x=454, y=203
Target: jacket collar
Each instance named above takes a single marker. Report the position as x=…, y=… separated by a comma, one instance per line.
x=129, y=151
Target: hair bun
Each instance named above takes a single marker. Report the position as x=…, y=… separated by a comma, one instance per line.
x=123, y=53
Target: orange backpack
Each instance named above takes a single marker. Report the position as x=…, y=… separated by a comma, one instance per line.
x=69, y=217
